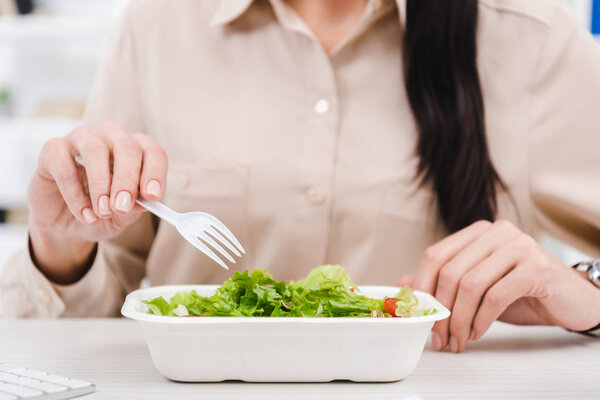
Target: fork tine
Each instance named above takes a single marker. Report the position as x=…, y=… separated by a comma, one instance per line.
x=214, y=233
x=214, y=244
x=203, y=248
x=226, y=232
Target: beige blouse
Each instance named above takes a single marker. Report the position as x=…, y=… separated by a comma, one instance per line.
x=309, y=158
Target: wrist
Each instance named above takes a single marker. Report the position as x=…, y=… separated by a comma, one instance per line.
x=592, y=317
x=62, y=260
x=595, y=320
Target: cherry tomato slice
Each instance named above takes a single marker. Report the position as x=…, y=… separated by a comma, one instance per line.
x=389, y=305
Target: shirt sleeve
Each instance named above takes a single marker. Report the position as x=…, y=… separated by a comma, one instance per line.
x=119, y=264
x=565, y=135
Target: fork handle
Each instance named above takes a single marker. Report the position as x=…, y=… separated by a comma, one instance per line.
x=159, y=209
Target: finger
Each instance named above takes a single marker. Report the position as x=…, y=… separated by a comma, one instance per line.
x=153, y=178
x=440, y=253
x=57, y=160
x=520, y=282
x=406, y=280
x=436, y=256
x=473, y=287
x=127, y=164
x=96, y=157
x=454, y=270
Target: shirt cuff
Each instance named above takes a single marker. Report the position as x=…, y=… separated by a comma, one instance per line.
x=79, y=299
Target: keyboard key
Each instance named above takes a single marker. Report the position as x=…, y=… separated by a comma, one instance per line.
x=8, y=368
x=48, y=387
x=20, y=391
x=31, y=383
x=17, y=380
x=70, y=383
x=32, y=373
x=17, y=383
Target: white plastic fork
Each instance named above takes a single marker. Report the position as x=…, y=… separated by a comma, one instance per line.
x=197, y=228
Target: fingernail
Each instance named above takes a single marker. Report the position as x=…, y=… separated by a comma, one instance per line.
x=103, y=205
x=123, y=201
x=89, y=216
x=453, y=344
x=436, y=341
x=153, y=188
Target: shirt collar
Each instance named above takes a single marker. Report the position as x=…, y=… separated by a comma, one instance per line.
x=230, y=10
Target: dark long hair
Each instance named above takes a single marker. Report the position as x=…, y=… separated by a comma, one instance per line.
x=442, y=83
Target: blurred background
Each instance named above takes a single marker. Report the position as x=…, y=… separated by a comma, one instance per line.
x=49, y=54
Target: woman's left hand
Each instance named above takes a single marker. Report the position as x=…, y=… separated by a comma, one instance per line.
x=491, y=271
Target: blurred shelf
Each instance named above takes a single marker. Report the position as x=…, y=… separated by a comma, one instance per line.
x=21, y=140
x=75, y=44
x=80, y=7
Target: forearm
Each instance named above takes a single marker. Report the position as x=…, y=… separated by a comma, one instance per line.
x=25, y=292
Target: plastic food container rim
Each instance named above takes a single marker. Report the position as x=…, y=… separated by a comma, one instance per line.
x=132, y=300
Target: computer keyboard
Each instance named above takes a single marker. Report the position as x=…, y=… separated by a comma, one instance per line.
x=23, y=383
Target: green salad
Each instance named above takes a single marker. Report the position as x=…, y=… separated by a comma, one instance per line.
x=327, y=291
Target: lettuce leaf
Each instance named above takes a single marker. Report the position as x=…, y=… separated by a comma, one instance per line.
x=327, y=291
x=327, y=274
x=407, y=304
x=159, y=306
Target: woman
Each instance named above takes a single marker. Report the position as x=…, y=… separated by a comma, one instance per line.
x=352, y=132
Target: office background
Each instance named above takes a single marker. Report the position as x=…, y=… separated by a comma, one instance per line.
x=49, y=53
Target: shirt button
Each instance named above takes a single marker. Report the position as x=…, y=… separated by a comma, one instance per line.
x=322, y=106
x=314, y=195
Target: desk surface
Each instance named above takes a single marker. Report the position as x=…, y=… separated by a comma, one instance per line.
x=508, y=362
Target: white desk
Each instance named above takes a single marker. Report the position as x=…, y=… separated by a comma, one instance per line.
x=508, y=363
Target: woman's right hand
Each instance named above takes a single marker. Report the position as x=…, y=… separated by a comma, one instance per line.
x=72, y=207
